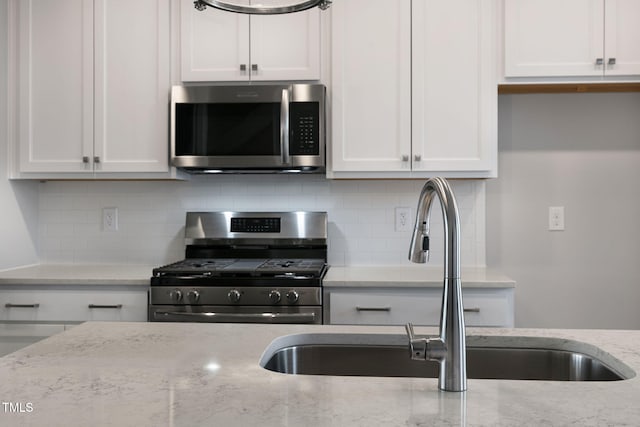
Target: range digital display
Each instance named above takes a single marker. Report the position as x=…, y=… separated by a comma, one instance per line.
x=255, y=225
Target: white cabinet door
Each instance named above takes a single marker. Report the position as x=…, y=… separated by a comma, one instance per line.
x=454, y=102
x=622, y=37
x=55, y=93
x=132, y=80
x=214, y=44
x=286, y=47
x=371, y=85
x=223, y=46
x=554, y=38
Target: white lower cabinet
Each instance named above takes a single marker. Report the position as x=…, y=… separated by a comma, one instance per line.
x=14, y=336
x=384, y=306
x=29, y=314
x=74, y=304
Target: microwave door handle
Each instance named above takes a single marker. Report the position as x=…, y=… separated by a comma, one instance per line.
x=284, y=125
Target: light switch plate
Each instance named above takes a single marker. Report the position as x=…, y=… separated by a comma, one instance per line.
x=556, y=218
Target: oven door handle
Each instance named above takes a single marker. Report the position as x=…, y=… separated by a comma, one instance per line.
x=293, y=276
x=285, y=126
x=213, y=317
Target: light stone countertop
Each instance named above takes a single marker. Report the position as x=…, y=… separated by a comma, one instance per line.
x=375, y=276
x=78, y=274
x=191, y=375
x=412, y=276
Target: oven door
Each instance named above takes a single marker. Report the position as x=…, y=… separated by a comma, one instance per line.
x=235, y=314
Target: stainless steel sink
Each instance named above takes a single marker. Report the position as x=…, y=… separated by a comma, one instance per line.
x=488, y=357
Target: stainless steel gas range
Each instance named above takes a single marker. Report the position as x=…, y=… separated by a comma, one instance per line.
x=245, y=267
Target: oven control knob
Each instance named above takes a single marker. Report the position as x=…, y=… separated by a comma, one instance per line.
x=193, y=295
x=274, y=297
x=292, y=297
x=175, y=295
x=234, y=295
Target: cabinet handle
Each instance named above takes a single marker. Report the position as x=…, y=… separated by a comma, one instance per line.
x=599, y=61
x=96, y=159
x=472, y=310
x=254, y=67
x=85, y=159
x=417, y=157
x=114, y=306
x=243, y=67
x=358, y=308
x=9, y=305
x=405, y=157
x=612, y=61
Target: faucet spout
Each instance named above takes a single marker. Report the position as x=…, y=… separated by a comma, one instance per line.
x=453, y=365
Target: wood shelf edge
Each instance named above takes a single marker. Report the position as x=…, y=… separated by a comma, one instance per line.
x=505, y=89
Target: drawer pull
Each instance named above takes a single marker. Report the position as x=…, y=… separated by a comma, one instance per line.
x=9, y=305
x=114, y=306
x=472, y=310
x=358, y=308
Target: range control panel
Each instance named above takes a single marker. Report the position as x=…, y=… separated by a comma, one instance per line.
x=255, y=225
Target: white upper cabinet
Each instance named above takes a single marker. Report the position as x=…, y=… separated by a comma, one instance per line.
x=622, y=38
x=55, y=85
x=371, y=85
x=132, y=79
x=93, y=79
x=571, y=38
x=224, y=46
x=454, y=98
x=414, y=89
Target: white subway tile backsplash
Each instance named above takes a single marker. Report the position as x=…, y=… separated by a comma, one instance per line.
x=151, y=216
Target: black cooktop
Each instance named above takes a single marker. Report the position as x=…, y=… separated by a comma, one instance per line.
x=243, y=267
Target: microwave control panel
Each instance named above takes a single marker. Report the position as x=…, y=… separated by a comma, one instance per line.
x=304, y=138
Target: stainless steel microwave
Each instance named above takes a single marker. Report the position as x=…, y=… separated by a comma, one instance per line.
x=248, y=129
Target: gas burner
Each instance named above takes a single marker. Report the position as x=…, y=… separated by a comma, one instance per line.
x=205, y=263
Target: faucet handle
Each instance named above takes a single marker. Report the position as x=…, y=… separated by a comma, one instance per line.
x=417, y=346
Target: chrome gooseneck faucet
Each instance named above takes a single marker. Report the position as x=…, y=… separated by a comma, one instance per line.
x=449, y=349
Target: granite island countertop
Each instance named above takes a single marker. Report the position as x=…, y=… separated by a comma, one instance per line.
x=184, y=374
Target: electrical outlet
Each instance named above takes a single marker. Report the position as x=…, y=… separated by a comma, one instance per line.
x=403, y=219
x=556, y=218
x=110, y=219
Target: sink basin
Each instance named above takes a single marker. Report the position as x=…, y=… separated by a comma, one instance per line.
x=488, y=357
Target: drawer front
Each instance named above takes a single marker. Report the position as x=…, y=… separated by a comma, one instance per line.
x=489, y=307
x=482, y=307
x=75, y=305
x=383, y=309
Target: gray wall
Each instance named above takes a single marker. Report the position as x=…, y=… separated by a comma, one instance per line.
x=580, y=151
x=18, y=201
